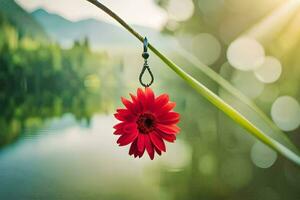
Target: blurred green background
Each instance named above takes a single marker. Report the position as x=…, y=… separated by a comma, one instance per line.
x=61, y=79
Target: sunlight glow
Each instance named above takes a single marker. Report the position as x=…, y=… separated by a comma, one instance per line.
x=286, y=43
x=269, y=27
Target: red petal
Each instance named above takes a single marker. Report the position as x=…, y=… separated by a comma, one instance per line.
x=119, y=117
x=122, y=128
x=141, y=98
x=149, y=147
x=133, y=98
x=169, y=118
x=141, y=153
x=119, y=125
x=130, y=127
x=169, y=129
x=161, y=100
x=124, y=115
x=122, y=111
x=136, y=105
x=118, y=132
x=133, y=148
x=167, y=137
x=157, y=141
x=127, y=104
x=157, y=150
x=166, y=108
x=141, y=143
x=127, y=138
x=149, y=98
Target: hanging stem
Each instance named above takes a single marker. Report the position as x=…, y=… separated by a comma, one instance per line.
x=208, y=94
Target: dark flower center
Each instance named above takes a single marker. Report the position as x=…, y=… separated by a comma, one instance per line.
x=145, y=123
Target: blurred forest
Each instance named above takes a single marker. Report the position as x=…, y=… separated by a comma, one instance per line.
x=39, y=81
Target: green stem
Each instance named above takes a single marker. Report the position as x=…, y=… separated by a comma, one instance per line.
x=208, y=94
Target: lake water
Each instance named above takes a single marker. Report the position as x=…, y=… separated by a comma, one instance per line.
x=70, y=160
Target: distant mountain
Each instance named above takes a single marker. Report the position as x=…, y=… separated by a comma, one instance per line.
x=23, y=21
x=100, y=34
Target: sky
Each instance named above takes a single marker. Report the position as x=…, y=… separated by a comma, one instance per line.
x=138, y=12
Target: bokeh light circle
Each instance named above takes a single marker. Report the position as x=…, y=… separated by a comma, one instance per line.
x=180, y=10
x=269, y=71
x=263, y=156
x=285, y=112
x=245, y=54
x=207, y=48
x=247, y=83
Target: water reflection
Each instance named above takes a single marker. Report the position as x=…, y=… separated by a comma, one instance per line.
x=48, y=81
x=67, y=160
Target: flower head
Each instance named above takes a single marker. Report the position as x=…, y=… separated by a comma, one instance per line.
x=146, y=123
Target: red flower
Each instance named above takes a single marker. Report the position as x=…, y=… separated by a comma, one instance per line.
x=146, y=123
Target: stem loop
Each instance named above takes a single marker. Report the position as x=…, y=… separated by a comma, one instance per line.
x=146, y=66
